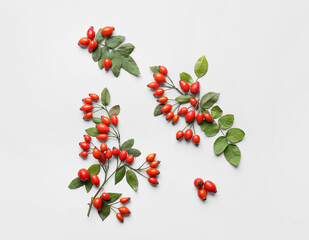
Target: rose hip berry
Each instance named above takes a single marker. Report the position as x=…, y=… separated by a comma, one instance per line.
x=95, y=180
x=202, y=193
x=163, y=70
x=210, y=186
x=179, y=135
x=114, y=120
x=152, y=172
x=91, y=33
x=208, y=117
x=115, y=151
x=188, y=134
x=94, y=96
x=195, y=87
x=97, y=203
x=123, y=155
x=87, y=138
x=105, y=196
x=193, y=101
x=83, y=154
x=119, y=217
x=166, y=108
x=154, y=164
x=84, y=145
x=153, y=85
x=130, y=159
x=199, y=183
x=184, y=86
x=162, y=99
x=107, y=31
x=96, y=153
x=107, y=63
x=150, y=157
x=190, y=116
x=87, y=100
x=124, y=200
x=83, y=174
x=153, y=180
x=196, y=139
x=103, y=147
x=102, y=137
x=169, y=115
x=183, y=111
x=83, y=42
x=102, y=128
x=159, y=92
x=124, y=210
x=159, y=78
x=87, y=116
x=92, y=46
x=105, y=120
x=175, y=119
x=108, y=154
x=86, y=108
x=199, y=118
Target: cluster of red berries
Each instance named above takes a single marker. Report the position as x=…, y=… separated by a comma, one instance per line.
x=88, y=107
x=84, y=175
x=92, y=44
x=153, y=172
x=204, y=187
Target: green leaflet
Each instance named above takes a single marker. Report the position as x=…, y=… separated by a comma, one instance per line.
x=235, y=135
x=186, y=77
x=114, y=197
x=209, y=99
x=132, y=180
x=116, y=63
x=88, y=185
x=130, y=65
x=115, y=110
x=210, y=129
x=94, y=169
x=232, y=154
x=226, y=121
x=105, y=211
x=220, y=145
x=120, y=174
x=216, y=112
x=99, y=37
x=114, y=41
x=93, y=132
x=96, y=55
x=105, y=97
x=184, y=98
x=76, y=183
x=96, y=120
x=201, y=67
x=134, y=152
x=126, y=49
x=155, y=69
x=127, y=145
x=157, y=111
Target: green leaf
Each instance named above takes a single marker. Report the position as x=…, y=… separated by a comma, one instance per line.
x=100, y=63
x=216, y=112
x=88, y=185
x=235, y=135
x=127, y=145
x=116, y=63
x=220, y=145
x=155, y=69
x=210, y=128
x=132, y=180
x=96, y=55
x=201, y=67
x=157, y=111
x=105, y=53
x=120, y=174
x=93, y=132
x=209, y=99
x=115, y=110
x=130, y=65
x=99, y=37
x=105, y=210
x=184, y=98
x=105, y=97
x=114, y=41
x=186, y=77
x=232, y=154
x=114, y=197
x=76, y=183
x=94, y=169
x=226, y=121
x=96, y=120
x=134, y=152
x=126, y=49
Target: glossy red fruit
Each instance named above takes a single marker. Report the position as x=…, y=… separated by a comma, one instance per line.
x=105, y=196
x=188, y=134
x=83, y=42
x=130, y=159
x=86, y=108
x=159, y=92
x=91, y=33
x=83, y=154
x=184, y=86
x=107, y=63
x=153, y=180
x=115, y=151
x=103, y=147
x=124, y=210
x=87, y=138
x=87, y=116
x=119, y=217
x=163, y=99
x=108, y=154
x=179, y=135
x=210, y=186
x=83, y=174
x=163, y=70
x=105, y=120
x=190, y=116
x=202, y=193
x=152, y=172
x=84, y=145
x=97, y=203
x=87, y=100
x=151, y=157
x=92, y=46
x=195, y=87
x=153, y=85
x=107, y=31
x=123, y=155
x=102, y=157
x=96, y=153
x=102, y=137
x=196, y=139
x=193, y=101
x=199, y=118
x=95, y=180
x=124, y=200
x=169, y=115
x=166, y=108
x=199, y=183
x=154, y=164
x=175, y=119
x=114, y=120
x=102, y=128
x=94, y=96
x=183, y=111
x=159, y=78
x=208, y=117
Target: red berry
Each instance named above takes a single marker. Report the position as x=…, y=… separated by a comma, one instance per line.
x=108, y=154
x=96, y=153
x=130, y=159
x=199, y=118
x=107, y=31
x=150, y=157
x=188, y=134
x=163, y=99
x=153, y=180
x=102, y=128
x=95, y=180
x=86, y=108
x=119, y=217
x=179, y=135
x=169, y=115
x=83, y=42
x=102, y=137
x=97, y=203
x=115, y=151
x=124, y=210
x=91, y=33
x=159, y=92
x=107, y=63
x=123, y=155
x=159, y=78
x=198, y=182
x=190, y=116
x=124, y=200
x=83, y=174
x=196, y=139
x=87, y=116
x=92, y=46
x=87, y=138
x=103, y=147
x=183, y=111
x=84, y=145
x=202, y=193
x=105, y=120
x=175, y=119
x=114, y=120
x=94, y=96
x=154, y=164
x=152, y=172
x=102, y=157
x=153, y=85
x=83, y=154
x=166, y=108
x=208, y=117
x=210, y=186
x=184, y=85
x=163, y=70
x=87, y=100
x=195, y=87
x=193, y=101
x=105, y=196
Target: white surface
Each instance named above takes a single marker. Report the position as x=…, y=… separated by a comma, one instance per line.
x=258, y=61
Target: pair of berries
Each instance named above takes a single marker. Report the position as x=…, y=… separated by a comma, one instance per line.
x=87, y=107
x=188, y=135
x=153, y=172
x=83, y=175
x=204, y=187
x=123, y=156
x=194, y=88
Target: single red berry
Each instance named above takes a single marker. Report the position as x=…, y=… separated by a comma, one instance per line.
x=193, y=101
x=184, y=86
x=159, y=78
x=154, y=164
x=87, y=100
x=123, y=155
x=169, y=115
x=91, y=33
x=166, y=108
x=105, y=120
x=210, y=186
x=124, y=210
x=97, y=203
x=102, y=128
x=199, y=118
x=188, y=134
x=87, y=138
x=202, y=193
x=153, y=85
x=153, y=180
x=179, y=135
x=124, y=200
x=96, y=153
x=107, y=31
x=94, y=96
x=83, y=174
x=159, y=92
x=103, y=147
x=196, y=139
x=115, y=151
x=208, y=117
x=195, y=87
x=86, y=108
x=163, y=70
x=151, y=157
x=84, y=145
x=190, y=116
x=119, y=217
x=152, y=172
x=198, y=182
x=114, y=120
x=183, y=111
x=83, y=154
x=163, y=99
x=102, y=137
x=105, y=196
x=130, y=159
x=87, y=116
x=108, y=154
x=92, y=46
x=83, y=42
x=175, y=119
x=95, y=180
x=107, y=63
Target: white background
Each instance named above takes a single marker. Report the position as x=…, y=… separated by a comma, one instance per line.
x=258, y=60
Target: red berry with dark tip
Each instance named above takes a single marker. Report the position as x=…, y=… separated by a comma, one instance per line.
x=83, y=154
x=169, y=115
x=162, y=99
x=166, y=108
x=83, y=174
x=92, y=46
x=119, y=217
x=175, y=119
x=87, y=138
x=102, y=128
x=83, y=42
x=95, y=180
x=86, y=108
x=102, y=137
x=179, y=135
x=130, y=159
x=188, y=134
x=199, y=183
x=159, y=92
x=210, y=186
x=115, y=151
x=184, y=86
x=202, y=193
x=208, y=117
x=195, y=87
x=153, y=180
x=105, y=196
x=107, y=63
x=84, y=145
x=199, y=118
x=97, y=203
x=183, y=111
x=159, y=78
x=105, y=120
x=107, y=31
x=152, y=172
x=91, y=33
x=114, y=120
x=163, y=70
x=124, y=200
x=94, y=97
x=153, y=85
x=124, y=210
x=87, y=100
x=123, y=155
x=196, y=139
x=96, y=153
x=108, y=154
x=190, y=116
x=87, y=116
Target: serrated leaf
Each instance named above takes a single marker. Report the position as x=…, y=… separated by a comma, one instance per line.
x=105, y=210
x=127, y=145
x=184, y=98
x=155, y=69
x=132, y=180
x=114, y=41
x=126, y=49
x=120, y=174
x=116, y=63
x=157, y=111
x=226, y=121
x=115, y=110
x=130, y=65
x=216, y=112
x=96, y=120
x=210, y=128
x=209, y=99
x=96, y=55
x=88, y=185
x=99, y=37
x=94, y=169
x=235, y=135
x=186, y=77
x=114, y=197
x=134, y=152
x=232, y=154
x=220, y=145
x=93, y=132
x=105, y=97
x=105, y=53
x=201, y=67
x=76, y=183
